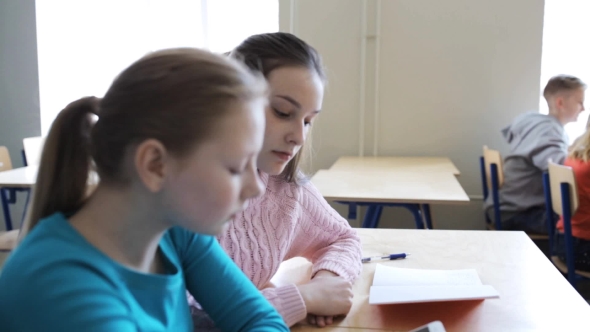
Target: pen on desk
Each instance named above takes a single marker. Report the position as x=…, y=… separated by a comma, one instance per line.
x=388, y=257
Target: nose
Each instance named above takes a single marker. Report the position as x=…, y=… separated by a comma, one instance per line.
x=297, y=133
x=253, y=186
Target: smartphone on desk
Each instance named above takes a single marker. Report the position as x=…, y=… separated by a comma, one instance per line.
x=435, y=326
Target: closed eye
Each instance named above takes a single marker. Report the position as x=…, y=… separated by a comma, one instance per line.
x=234, y=171
x=238, y=170
x=281, y=114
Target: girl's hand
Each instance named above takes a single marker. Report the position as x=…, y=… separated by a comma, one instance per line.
x=325, y=296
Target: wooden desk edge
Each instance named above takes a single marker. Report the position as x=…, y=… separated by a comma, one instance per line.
x=400, y=201
x=455, y=171
x=16, y=185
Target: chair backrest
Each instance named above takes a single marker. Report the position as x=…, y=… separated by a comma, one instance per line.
x=5, y=162
x=560, y=178
x=493, y=157
x=559, y=174
x=33, y=148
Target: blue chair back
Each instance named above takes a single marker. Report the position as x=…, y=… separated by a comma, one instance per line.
x=561, y=198
x=549, y=212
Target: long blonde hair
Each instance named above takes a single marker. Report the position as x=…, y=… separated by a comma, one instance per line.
x=580, y=149
x=175, y=96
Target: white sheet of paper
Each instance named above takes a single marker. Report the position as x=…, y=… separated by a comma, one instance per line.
x=399, y=285
x=395, y=276
x=415, y=294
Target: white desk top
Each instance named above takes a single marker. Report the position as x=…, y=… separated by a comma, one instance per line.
x=8, y=240
x=396, y=164
x=389, y=187
x=534, y=296
x=23, y=177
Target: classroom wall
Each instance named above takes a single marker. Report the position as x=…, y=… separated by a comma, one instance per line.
x=451, y=75
x=19, y=83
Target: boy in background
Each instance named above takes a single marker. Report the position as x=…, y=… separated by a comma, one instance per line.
x=535, y=138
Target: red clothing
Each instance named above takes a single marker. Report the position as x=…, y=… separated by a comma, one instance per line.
x=581, y=219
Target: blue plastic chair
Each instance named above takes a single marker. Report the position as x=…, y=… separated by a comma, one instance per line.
x=561, y=197
x=8, y=195
x=492, y=179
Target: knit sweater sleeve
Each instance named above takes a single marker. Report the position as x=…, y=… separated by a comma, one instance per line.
x=326, y=238
x=288, y=302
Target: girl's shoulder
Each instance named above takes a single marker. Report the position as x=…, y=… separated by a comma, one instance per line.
x=301, y=188
x=302, y=193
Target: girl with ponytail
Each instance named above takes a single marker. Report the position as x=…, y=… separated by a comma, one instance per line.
x=124, y=183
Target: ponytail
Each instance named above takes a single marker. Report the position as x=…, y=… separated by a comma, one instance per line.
x=65, y=164
x=175, y=96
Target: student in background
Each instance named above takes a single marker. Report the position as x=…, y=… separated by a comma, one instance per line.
x=175, y=147
x=535, y=138
x=575, y=143
x=292, y=218
x=579, y=160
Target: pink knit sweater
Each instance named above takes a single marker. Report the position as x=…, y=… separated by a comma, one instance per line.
x=288, y=221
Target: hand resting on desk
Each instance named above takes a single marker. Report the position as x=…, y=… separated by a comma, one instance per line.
x=326, y=295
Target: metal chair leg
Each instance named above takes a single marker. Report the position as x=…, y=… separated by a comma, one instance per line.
x=427, y=215
x=6, y=208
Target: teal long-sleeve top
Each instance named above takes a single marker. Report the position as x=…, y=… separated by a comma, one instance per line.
x=57, y=281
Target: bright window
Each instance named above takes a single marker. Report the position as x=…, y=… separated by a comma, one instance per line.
x=565, y=50
x=83, y=45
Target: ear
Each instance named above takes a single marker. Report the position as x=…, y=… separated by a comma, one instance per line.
x=151, y=163
x=559, y=102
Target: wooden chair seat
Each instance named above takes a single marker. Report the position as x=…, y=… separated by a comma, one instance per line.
x=5, y=162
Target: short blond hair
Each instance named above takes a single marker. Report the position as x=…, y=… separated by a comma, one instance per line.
x=561, y=83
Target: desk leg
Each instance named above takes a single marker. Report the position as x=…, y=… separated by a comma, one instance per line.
x=351, y=211
x=6, y=208
x=421, y=218
x=427, y=215
x=28, y=191
x=415, y=209
x=372, y=216
x=376, y=216
x=368, y=216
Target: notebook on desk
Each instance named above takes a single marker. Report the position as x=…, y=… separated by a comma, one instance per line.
x=393, y=285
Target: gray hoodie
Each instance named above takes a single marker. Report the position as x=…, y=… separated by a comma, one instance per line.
x=534, y=138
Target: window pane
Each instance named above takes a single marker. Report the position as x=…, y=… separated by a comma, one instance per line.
x=229, y=22
x=83, y=45
x=565, y=50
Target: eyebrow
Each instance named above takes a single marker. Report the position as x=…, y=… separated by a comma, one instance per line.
x=294, y=102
